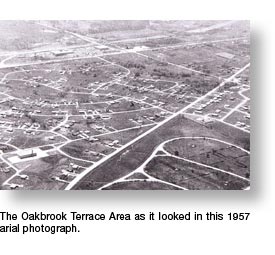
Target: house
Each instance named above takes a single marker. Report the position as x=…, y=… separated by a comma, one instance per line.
x=10, y=130
x=225, y=55
x=24, y=177
x=93, y=139
x=101, y=47
x=14, y=186
x=59, y=53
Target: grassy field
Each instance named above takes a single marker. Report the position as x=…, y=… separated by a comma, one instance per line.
x=211, y=153
x=192, y=176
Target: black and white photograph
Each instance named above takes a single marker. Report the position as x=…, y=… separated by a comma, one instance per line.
x=124, y=105
x=137, y=127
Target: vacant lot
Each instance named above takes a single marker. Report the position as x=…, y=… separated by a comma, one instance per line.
x=212, y=153
x=192, y=176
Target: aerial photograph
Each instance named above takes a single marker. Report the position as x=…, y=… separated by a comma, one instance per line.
x=124, y=105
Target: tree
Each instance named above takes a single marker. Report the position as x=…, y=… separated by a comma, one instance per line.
x=137, y=74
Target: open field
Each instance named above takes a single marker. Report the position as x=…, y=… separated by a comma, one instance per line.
x=192, y=176
x=211, y=153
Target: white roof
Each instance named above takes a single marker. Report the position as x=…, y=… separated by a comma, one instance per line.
x=25, y=152
x=225, y=55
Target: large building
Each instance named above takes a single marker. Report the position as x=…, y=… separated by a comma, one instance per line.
x=26, y=154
